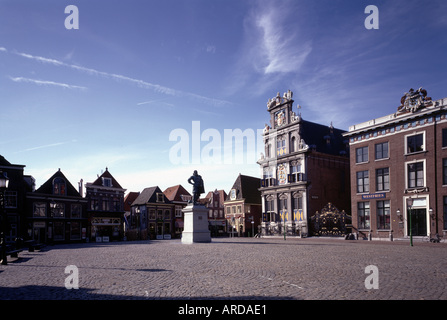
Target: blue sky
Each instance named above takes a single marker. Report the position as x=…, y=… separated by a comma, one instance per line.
x=110, y=93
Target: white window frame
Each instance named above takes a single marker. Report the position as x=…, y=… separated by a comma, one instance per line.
x=424, y=142
x=425, y=173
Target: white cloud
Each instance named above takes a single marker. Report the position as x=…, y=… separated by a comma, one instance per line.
x=117, y=77
x=282, y=49
x=278, y=44
x=47, y=83
x=47, y=146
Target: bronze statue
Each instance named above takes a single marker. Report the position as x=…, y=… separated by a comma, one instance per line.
x=198, y=187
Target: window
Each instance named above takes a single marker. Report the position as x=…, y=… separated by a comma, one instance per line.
x=381, y=150
x=167, y=215
x=269, y=210
x=363, y=215
x=445, y=213
x=116, y=204
x=362, y=181
x=297, y=203
x=293, y=147
x=10, y=199
x=295, y=173
x=415, y=173
x=178, y=211
x=107, y=182
x=152, y=214
x=105, y=205
x=58, y=211
x=383, y=214
x=383, y=179
x=361, y=155
x=268, y=178
x=444, y=138
x=94, y=204
x=280, y=146
x=39, y=209
x=444, y=171
x=415, y=143
x=76, y=211
x=59, y=186
x=160, y=197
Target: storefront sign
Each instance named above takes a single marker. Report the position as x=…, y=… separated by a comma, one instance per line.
x=373, y=196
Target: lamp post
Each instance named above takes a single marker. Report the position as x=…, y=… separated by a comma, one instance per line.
x=4, y=181
x=410, y=227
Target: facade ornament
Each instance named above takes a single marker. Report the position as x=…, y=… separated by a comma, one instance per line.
x=277, y=100
x=414, y=100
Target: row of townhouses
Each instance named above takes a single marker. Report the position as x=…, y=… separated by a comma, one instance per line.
x=58, y=212
x=382, y=179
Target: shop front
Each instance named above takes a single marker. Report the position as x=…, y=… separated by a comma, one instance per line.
x=105, y=229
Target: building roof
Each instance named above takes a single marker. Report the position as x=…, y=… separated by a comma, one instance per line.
x=149, y=195
x=175, y=193
x=322, y=138
x=247, y=188
x=99, y=181
x=6, y=163
x=222, y=196
x=129, y=199
x=47, y=187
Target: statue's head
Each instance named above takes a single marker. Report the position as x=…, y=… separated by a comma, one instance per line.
x=195, y=173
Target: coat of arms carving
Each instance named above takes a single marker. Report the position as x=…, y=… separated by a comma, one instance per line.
x=414, y=100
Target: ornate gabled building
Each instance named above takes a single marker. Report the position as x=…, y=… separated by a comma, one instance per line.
x=305, y=166
x=399, y=170
x=105, y=198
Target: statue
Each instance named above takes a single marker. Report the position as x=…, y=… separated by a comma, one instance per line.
x=198, y=187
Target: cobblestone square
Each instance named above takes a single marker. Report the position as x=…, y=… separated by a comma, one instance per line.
x=230, y=268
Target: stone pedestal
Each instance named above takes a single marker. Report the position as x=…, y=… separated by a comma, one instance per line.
x=195, y=227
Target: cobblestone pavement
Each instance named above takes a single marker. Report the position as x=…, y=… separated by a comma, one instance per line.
x=236, y=269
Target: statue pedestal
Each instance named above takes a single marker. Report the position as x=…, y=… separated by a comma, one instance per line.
x=195, y=228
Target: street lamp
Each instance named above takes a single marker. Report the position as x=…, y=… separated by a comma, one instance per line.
x=4, y=182
x=410, y=227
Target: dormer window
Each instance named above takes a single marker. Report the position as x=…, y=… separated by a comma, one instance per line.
x=107, y=182
x=59, y=186
x=160, y=197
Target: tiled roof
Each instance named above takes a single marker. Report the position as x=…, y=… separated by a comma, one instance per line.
x=247, y=188
x=174, y=193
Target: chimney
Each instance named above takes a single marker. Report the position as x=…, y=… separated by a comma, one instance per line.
x=81, y=187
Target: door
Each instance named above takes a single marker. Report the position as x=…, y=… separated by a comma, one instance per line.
x=418, y=222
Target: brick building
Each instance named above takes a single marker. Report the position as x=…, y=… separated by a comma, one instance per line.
x=214, y=201
x=15, y=198
x=57, y=212
x=105, y=198
x=243, y=207
x=305, y=167
x=153, y=215
x=399, y=170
